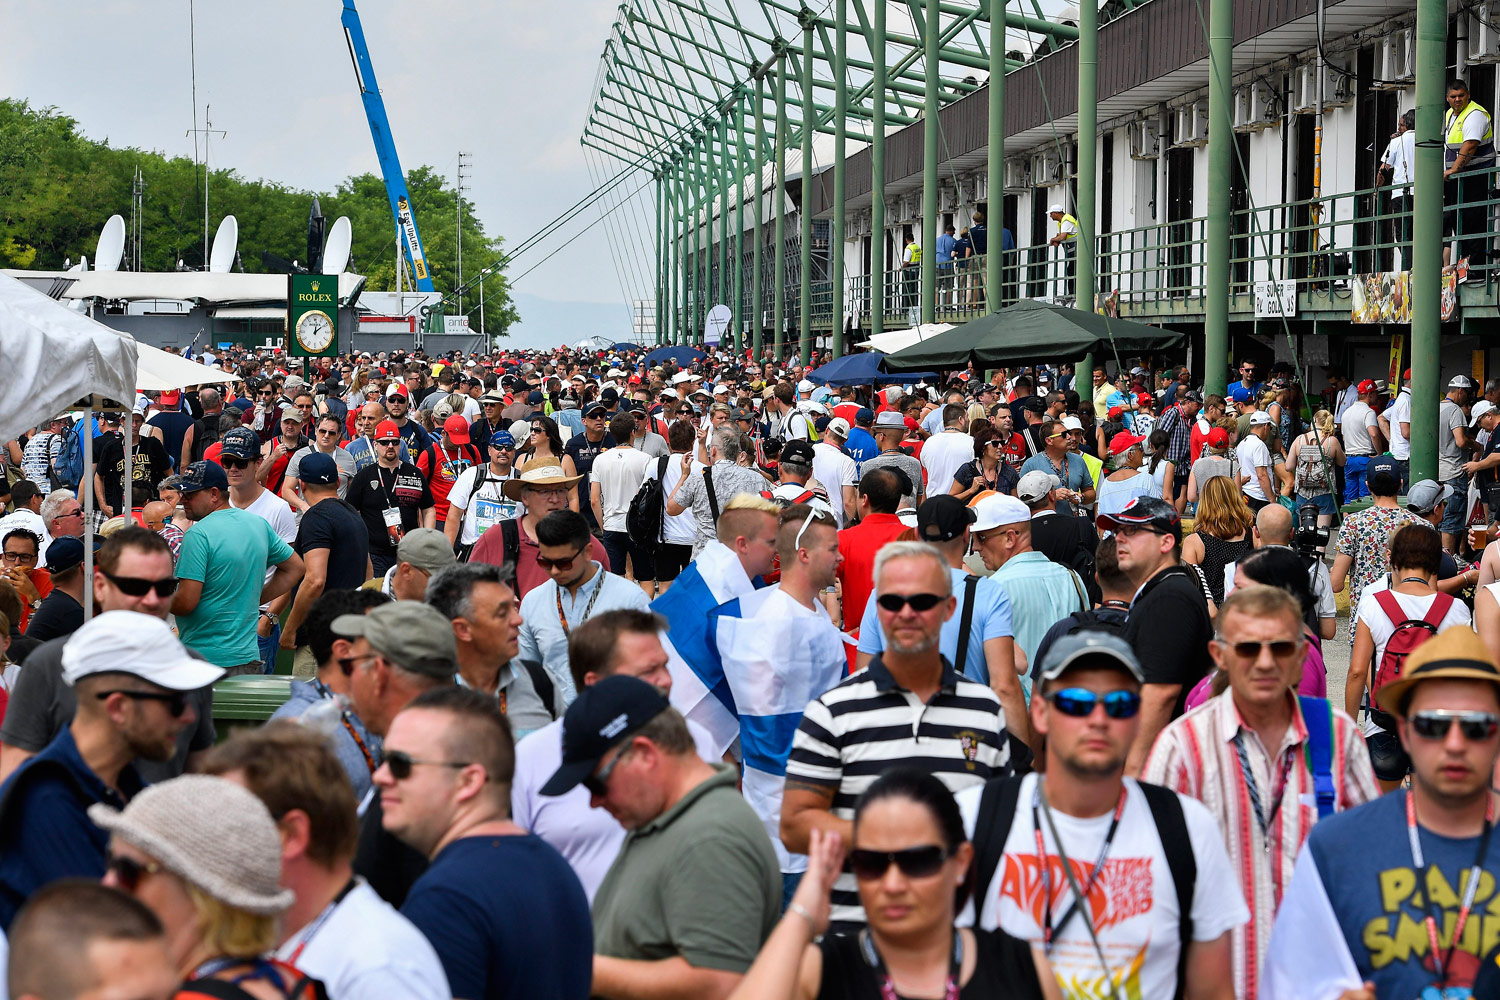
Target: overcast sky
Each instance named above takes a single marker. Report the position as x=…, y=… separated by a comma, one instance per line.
x=507, y=81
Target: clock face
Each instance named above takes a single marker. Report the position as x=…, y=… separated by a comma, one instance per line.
x=315, y=331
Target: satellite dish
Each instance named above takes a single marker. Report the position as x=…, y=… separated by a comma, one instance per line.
x=717, y=321
x=336, y=252
x=111, y=245
x=226, y=241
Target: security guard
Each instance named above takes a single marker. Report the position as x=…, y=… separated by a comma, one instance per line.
x=911, y=264
x=1468, y=159
x=1067, y=238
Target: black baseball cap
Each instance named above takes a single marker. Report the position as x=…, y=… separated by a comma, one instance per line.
x=798, y=453
x=596, y=407
x=1152, y=513
x=318, y=469
x=943, y=518
x=601, y=717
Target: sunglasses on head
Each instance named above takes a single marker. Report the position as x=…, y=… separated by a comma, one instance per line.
x=401, y=764
x=1436, y=724
x=135, y=586
x=230, y=462
x=919, y=602
x=914, y=862
x=176, y=701
x=563, y=563
x=129, y=872
x=1280, y=648
x=1080, y=702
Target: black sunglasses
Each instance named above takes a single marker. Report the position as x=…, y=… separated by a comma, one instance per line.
x=919, y=602
x=1080, y=702
x=234, y=463
x=1280, y=648
x=129, y=872
x=564, y=563
x=134, y=586
x=1438, y=723
x=176, y=701
x=401, y=764
x=914, y=862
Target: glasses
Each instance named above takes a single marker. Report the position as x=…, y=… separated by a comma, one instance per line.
x=919, y=602
x=914, y=862
x=18, y=557
x=234, y=463
x=76, y=512
x=563, y=563
x=135, y=586
x=555, y=494
x=1053, y=437
x=598, y=784
x=389, y=441
x=324, y=430
x=401, y=764
x=129, y=872
x=540, y=430
x=1281, y=649
x=1436, y=724
x=348, y=663
x=176, y=701
x=1080, y=702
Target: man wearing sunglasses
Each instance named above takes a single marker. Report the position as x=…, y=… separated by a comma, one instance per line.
x=131, y=677
x=1251, y=755
x=1158, y=894
x=133, y=571
x=1383, y=900
x=325, y=442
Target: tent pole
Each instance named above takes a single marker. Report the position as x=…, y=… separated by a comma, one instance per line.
x=129, y=426
x=87, y=488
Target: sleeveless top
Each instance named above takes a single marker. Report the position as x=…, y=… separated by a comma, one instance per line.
x=1004, y=969
x=1216, y=554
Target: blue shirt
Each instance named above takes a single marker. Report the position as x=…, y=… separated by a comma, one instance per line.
x=991, y=621
x=979, y=237
x=1077, y=478
x=1041, y=592
x=945, y=248
x=571, y=418
x=347, y=740
x=1241, y=393
x=46, y=833
x=508, y=919
x=860, y=446
x=544, y=638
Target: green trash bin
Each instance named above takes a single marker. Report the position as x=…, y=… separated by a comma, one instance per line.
x=248, y=701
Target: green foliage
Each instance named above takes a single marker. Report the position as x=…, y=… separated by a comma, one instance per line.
x=57, y=188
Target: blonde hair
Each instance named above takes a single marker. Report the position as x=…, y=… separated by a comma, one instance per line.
x=1222, y=511
x=229, y=931
x=753, y=501
x=1323, y=420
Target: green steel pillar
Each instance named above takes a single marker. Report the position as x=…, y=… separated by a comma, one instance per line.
x=672, y=251
x=695, y=304
x=778, y=333
x=1088, y=167
x=994, y=205
x=656, y=321
x=722, y=288
x=877, y=174
x=840, y=137
x=809, y=126
x=932, y=69
x=1220, y=165
x=757, y=299
x=739, y=226
x=1427, y=241
x=682, y=250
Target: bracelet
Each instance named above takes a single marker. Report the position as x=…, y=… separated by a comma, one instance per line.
x=801, y=911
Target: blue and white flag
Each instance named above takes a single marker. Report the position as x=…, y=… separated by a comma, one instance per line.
x=775, y=655
x=699, y=690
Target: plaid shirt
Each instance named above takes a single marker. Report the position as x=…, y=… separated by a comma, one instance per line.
x=1199, y=755
x=1181, y=431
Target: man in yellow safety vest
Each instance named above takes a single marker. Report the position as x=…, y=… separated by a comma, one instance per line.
x=1067, y=238
x=1468, y=161
x=911, y=270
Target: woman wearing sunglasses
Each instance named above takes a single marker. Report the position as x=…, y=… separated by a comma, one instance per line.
x=205, y=855
x=911, y=861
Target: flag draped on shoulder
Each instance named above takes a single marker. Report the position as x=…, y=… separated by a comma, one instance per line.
x=775, y=656
x=699, y=690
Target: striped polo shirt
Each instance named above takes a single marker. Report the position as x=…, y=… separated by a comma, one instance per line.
x=869, y=723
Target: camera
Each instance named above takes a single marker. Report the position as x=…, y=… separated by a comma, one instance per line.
x=1307, y=538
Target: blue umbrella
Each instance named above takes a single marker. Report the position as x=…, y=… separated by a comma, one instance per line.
x=861, y=369
x=624, y=346
x=681, y=355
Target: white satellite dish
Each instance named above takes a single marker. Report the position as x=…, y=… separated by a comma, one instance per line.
x=716, y=323
x=336, y=250
x=226, y=242
x=111, y=245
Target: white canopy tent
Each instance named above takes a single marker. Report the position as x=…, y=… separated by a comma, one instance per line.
x=895, y=340
x=159, y=370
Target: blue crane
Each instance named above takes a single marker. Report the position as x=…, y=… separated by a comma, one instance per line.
x=385, y=147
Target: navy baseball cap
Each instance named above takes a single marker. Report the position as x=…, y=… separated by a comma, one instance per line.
x=66, y=552
x=864, y=417
x=241, y=442
x=502, y=439
x=319, y=469
x=204, y=476
x=1389, y=473
x=942, y=518
x=602, y=716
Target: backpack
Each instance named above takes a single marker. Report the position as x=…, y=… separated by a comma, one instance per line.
x=1410, y=633
x=806, y=496
x=998, y=804
x=67, y=466
x=205, y=434
x=648, y=509
x=1312, y=470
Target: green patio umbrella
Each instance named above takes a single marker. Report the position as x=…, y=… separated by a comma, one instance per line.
x=1031, y=331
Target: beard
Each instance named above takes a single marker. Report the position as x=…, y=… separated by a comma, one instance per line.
x=923, y=645
x=1093, y=768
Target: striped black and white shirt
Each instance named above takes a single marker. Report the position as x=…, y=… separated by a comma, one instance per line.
x=869, y=723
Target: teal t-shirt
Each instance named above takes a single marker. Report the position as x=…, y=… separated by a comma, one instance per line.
x=228, y=552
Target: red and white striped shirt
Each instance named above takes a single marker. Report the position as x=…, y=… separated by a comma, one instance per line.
x=1197, y=756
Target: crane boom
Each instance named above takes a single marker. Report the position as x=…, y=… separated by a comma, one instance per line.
x=385, y=147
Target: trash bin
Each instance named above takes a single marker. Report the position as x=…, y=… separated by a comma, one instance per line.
x=248, y=701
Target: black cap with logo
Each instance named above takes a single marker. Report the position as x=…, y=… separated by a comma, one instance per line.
x=601, y=717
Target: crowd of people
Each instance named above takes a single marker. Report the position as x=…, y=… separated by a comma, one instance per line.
x=708, y=679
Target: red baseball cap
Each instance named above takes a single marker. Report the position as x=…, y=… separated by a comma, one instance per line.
x=1123, y=442
x=172, y=397
x=1367, y=385
x=457, y=428
x=387, y=429
x=397, y=389
x=213, y=451
x=1218, y=437
x=1115, y=412
x=1406, y=375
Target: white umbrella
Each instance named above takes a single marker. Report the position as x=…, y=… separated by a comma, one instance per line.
x=159, y=370
x=894, y=340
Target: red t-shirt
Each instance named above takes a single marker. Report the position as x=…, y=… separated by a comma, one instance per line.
x=1197, y=437
x=847, y=411
x=858, y=546
x=1014, y=452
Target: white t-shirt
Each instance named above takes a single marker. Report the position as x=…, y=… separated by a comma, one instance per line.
x=1401, y=156
x=1253, y=454
x=366, y=950
x=1356, y=423
x=278, y=514
x=1397, y=412
x=682, y=529
x=1373, y=617
x=942, y=456
x=1133, y=904
x=619, y=473
x=834, y=470
x=491, y=506
x=588, y=839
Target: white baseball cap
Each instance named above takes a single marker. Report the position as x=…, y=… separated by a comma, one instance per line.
x=839, y=428
x=1460, y=382
x=1480, y=409
x=993, y=511
x=1072, y=424
x=682, y=377
x=1260, y=417
x=805, y=386
x=132, y=642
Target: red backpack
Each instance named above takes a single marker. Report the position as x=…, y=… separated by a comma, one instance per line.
x=1410, y=633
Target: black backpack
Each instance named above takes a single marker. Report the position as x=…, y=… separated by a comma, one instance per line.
x=648, y=509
